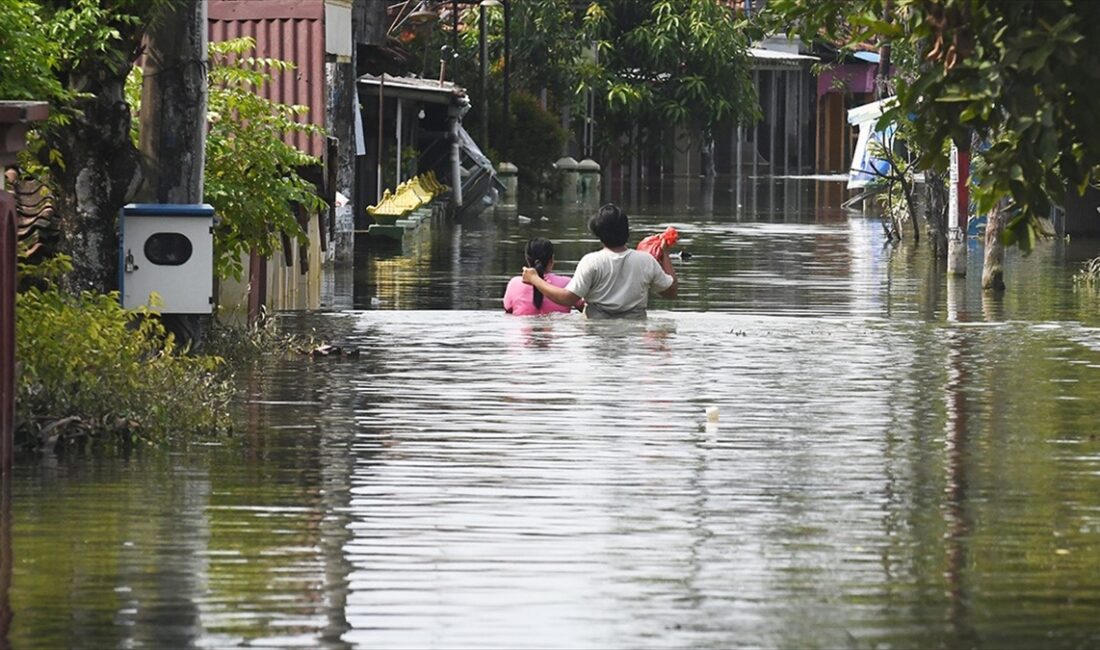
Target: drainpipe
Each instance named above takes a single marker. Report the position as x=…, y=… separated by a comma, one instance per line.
x=456, y=165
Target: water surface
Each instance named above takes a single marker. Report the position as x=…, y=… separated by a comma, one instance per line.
x=899, y=461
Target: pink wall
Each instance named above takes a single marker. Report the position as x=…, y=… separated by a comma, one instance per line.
x=855, y=78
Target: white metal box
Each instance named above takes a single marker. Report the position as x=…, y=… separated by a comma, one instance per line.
x=167, y=249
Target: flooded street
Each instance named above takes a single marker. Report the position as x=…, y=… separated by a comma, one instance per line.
x=899, y=460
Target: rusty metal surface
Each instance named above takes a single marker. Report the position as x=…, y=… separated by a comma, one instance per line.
x=7, y=330
x=291, y=31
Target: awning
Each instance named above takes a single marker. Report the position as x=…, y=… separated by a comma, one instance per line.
x=868, y=164
x=869, y=112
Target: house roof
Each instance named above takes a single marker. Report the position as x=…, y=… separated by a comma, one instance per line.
x=417, y=88
x=763, y=58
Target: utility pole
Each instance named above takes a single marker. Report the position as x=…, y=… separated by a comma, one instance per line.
x=173, y=105
x=173, y=122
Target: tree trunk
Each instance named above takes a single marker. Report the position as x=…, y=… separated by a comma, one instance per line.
x=993, y=275
x=708, y=156
x=936, y=187
x=173, y=105
x=100, y=168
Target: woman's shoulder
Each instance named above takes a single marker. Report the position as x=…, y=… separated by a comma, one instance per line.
x=555, y=279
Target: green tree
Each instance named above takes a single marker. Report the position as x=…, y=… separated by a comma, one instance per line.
x=1019, y=77
x=252, y=177
x=91, y=46
x=26, y=55
x=667, y=63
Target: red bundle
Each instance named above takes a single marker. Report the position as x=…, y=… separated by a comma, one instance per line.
x=655, y=244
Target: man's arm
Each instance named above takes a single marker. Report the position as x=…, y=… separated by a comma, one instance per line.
x=557, y=294
x=666, y=266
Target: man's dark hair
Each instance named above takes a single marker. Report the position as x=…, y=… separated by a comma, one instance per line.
x=611, y=226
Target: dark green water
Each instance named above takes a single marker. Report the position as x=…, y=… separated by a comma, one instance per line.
x=899, y=460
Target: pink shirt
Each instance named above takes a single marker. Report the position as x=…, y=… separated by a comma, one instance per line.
x=519, y=298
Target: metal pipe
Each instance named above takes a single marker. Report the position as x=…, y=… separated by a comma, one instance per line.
x=756, y=126
x=456, y=164
x=507, y=79
x=397, y=131
x=378, y=152
x=483, y=48
x=454, y=26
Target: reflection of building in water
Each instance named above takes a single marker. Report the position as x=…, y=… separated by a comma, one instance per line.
x=865, y=245
x=397, y=280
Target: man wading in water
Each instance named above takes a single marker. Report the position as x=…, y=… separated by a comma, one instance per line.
x=615, y=281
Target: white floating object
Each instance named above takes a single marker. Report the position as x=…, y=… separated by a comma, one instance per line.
x=712, y=414
x=523, y=218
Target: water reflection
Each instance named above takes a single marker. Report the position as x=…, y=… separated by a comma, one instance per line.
x=898, y=461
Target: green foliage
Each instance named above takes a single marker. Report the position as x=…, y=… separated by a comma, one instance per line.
x=650, y=65
x=410, y=159
x=251, y=172
x=545, y=54
x=26, y=54
x=1020, y=77
x=93, y=32
x=543, y=40
x=542, y=141
x=86, y=360
x=251, y=177
x=670, y=62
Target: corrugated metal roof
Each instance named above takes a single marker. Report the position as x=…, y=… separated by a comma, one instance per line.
x=418, y=88
x=762, y=58
x=290, y=30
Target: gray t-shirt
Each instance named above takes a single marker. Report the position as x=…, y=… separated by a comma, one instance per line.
x=618, y=283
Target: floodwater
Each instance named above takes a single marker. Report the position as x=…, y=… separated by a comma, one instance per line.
x=898, y=460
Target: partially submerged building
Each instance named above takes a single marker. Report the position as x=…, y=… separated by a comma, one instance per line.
x=413, y=126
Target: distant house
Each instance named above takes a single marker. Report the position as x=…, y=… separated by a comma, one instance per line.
x=804, y=97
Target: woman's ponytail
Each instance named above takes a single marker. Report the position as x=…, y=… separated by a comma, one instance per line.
x=537, y=298
x=539, y=253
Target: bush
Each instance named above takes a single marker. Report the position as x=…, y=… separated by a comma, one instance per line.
x=536, y=143
x=89, y=367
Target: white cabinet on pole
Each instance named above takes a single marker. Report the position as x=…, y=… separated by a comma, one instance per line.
x=167, y=249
